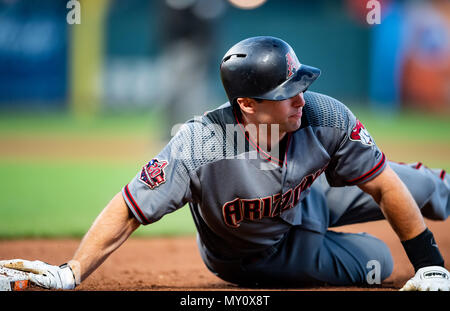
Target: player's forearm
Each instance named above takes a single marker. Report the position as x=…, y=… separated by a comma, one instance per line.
x=402, y=213
x=397, y=204
x=111, y=228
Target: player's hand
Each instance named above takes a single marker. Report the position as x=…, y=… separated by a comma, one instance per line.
x=432, y=278
x=43, y=274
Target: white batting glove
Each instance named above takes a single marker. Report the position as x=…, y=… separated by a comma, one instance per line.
x=43, y=274
x=432, y=278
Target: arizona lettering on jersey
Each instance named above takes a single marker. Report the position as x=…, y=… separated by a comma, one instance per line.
x=237, y=210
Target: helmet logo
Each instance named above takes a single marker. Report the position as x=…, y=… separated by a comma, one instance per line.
x=292, y=65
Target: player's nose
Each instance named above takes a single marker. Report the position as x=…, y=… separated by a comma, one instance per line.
x=298, y=100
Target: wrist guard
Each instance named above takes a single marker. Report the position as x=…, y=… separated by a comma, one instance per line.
x=423, y=251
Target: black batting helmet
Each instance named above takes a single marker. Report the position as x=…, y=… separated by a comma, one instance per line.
x=264, y=68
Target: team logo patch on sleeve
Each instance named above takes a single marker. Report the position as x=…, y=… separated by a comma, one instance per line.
x=153, y=174
x=359, y=133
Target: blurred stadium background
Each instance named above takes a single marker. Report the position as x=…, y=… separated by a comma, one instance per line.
x=84, y=106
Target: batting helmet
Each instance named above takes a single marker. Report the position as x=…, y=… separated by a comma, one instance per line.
x=264, y=68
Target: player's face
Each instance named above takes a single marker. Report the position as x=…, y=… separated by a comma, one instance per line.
x=286, y=113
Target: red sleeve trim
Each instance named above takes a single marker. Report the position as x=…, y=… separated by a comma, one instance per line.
x=136, y=208
x=442, y=174
x=370, y=173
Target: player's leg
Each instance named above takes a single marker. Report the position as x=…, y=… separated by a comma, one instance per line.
x=438, y=206
x=308, y=258
x=430, y=189
x=322, y=256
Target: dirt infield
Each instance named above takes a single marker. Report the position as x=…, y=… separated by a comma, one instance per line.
x=174, y=264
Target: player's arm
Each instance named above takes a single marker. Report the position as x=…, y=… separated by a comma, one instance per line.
x=396, y=203
x=111, y=228
x=143, y=200
x=403, y=214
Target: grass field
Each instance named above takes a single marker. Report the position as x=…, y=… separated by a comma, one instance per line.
x=57, y=173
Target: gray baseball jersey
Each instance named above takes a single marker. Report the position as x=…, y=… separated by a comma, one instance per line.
x=244, y=198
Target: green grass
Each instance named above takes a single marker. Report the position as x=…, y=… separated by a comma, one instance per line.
x=48, y=199
x=43, y=197
x=64, y=124
x=408, y=126
x=54, y=197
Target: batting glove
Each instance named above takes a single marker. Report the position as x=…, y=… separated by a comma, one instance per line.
x=43, y=274
x=432, y=278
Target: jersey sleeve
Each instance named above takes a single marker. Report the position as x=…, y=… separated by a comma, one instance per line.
x=357, y=158
x=163, y=184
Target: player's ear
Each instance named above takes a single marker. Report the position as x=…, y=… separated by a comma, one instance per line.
x=246, y=104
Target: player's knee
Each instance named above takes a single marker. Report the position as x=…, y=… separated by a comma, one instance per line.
x=382, y=263
x=387, y=265
x=420, y=183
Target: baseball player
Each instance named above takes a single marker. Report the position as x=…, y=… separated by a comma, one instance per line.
x=266, y=176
